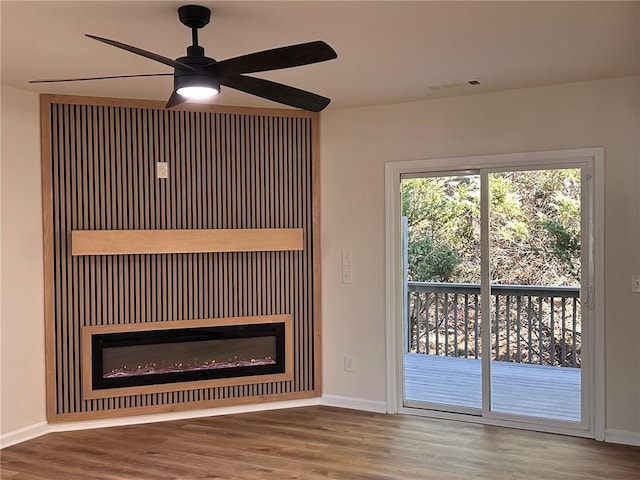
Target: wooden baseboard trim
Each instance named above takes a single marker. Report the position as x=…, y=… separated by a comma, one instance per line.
x=182, y=407
x=182, y=415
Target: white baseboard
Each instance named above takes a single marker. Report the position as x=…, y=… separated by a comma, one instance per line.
x=353, y=403
x=43, y=428
x=625, y=437
x=24, y=434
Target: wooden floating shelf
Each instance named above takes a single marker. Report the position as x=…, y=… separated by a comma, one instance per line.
x=132, y=242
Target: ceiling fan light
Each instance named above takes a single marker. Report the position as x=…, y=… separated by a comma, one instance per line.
x=196, y=86
x=197, y=92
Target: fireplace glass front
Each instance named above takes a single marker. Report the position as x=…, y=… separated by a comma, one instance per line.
x=150, y=357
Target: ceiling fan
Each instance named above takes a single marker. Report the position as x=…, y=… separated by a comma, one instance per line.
x=196, y=76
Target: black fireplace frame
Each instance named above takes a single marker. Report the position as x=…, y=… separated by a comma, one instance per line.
x=101, y=341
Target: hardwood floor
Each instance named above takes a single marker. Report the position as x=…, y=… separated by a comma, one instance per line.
x=316, y=443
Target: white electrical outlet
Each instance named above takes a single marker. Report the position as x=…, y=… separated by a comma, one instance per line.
x=162, y=170
x=346, y=258
x=349, y=364
x=346, y=275
x=635, y=283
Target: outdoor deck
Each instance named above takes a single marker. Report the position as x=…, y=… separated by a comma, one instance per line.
x=522, y=389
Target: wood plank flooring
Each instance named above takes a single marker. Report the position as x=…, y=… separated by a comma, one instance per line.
x=316, y=443
x=521, y=389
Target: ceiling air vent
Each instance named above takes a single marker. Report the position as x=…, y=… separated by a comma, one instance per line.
x=466, y=83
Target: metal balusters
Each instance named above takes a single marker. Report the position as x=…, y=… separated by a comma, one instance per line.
x=426, y=306
x=540, y=331
x=475, y=326
x=418, y=322
x=496, y=327
x=564, y=331
x=446, y=323
x=529, y=353
x=455, y=323
x=508, y=326
x=518, y=327
x=415, y=324
x=437, y=322
x=447, y=305
x=552, y=340
x=466, y=325
x=575, y=335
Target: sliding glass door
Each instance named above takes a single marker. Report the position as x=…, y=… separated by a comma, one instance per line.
x=443, y=351
x=494, y=283
x=534, y=237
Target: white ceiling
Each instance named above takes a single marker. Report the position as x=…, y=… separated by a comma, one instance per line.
x=388, y=52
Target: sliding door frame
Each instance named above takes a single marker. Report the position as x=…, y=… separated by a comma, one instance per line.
x=592, y=158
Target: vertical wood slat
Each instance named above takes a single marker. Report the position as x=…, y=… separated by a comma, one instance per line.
x=77, y=138
x=227, y=170
x=66, y=299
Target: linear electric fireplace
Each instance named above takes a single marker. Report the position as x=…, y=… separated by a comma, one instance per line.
x=169, y=356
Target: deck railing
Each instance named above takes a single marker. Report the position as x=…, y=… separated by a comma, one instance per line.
x=530, y=324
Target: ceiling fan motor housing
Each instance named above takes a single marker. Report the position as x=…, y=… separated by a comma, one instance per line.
x=194, y=16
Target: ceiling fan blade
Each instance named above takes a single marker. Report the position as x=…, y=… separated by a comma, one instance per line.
x=277, y=58
x=174, y=100
x=144, y=53
x=277, y=92
x=101, y=78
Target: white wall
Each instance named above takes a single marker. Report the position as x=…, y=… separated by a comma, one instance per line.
x=22, y=371
x=356, y=143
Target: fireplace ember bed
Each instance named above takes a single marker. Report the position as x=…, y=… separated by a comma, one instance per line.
x=168, y=356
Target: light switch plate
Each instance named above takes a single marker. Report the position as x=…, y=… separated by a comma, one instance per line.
x=162, y=170
x=349, y=364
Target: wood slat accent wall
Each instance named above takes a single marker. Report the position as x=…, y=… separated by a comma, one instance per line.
x=230, y=168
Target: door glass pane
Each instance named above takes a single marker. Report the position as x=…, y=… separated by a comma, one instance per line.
x=534, y=239
x=442, y=291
